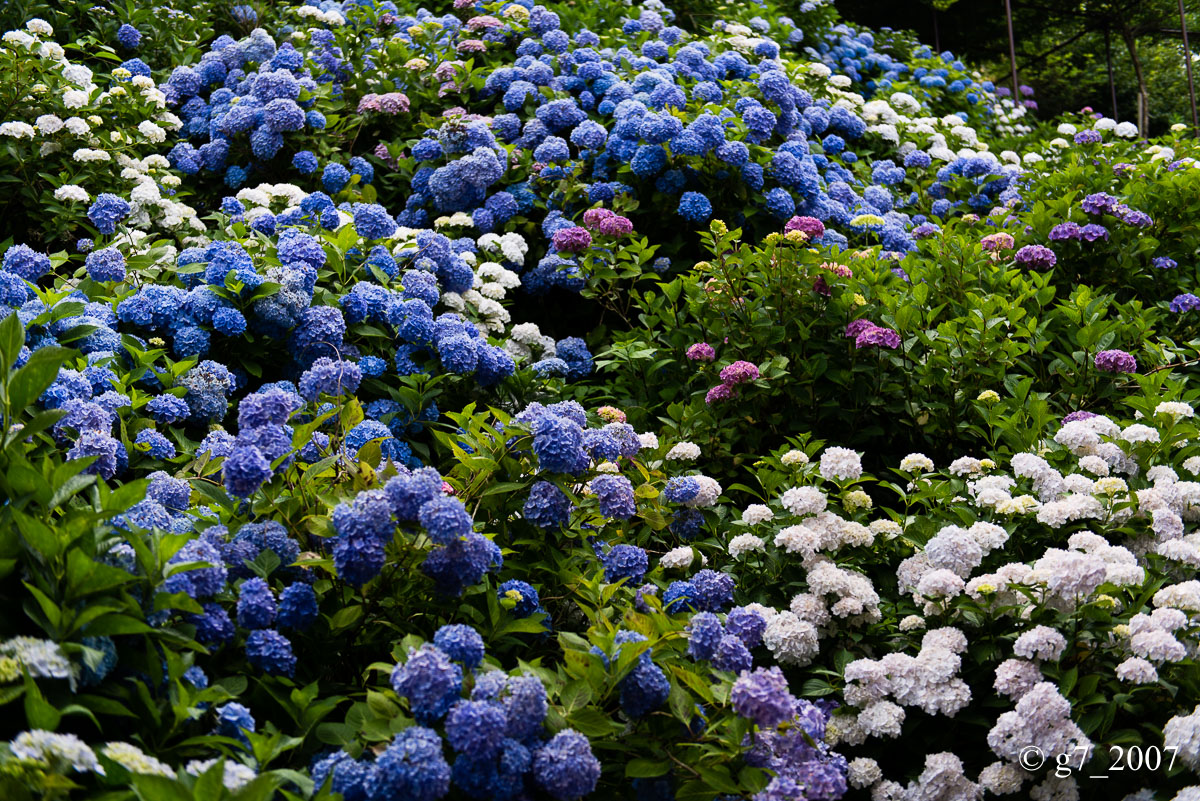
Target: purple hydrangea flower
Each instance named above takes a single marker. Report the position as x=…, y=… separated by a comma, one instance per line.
x=1116, y=361
x=1036, y=257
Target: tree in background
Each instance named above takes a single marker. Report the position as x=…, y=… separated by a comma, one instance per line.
x=1065, y=49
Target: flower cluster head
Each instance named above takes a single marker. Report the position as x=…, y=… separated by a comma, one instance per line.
x=1115, y=361
x=997, y=242
x=701, y=352
x=732, y=376
x=1036, y=257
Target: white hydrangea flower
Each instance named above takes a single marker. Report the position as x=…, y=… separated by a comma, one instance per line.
x=235, y=777
x=18, y=130
x=684, y=451
x=49, y=748
x=1136, y=670
x=680, y=557
x=743, y=544
x=70, y=193
x=135, y=760
x=1040, y=642
x=1177, y=409
x=796, y=457
x=966, y=466
x=840, y=464
x=757, y=513
x=916, y=463
x=648, y=440
x=802, y=501
x=792, y=641
x=886, y=528
x=1182, y=732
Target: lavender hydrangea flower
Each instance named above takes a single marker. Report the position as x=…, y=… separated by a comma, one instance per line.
x=1115, y=361
x=762, y=697
x=1037, y=257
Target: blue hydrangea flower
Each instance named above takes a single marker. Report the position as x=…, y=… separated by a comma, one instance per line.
x=107, y=211
x=444, y=519
x=547, y=505
x=461, y=643
x=615, y=496
x=565, y=767
x=625, y=562
x=476, y=728
x=270, y=652
x=256, y=607
x=297, y=606
x=430, y=682
x=412, y=767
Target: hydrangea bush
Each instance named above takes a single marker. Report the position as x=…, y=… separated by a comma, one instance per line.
x=516, y=401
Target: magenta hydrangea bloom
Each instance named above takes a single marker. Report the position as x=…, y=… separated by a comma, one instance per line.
x=876, y=336
x=593, y=217
x=721, y=392
x=808, y=225
x=1036, y=257
x=1116, y=361
x=572, y=240
x=615, y=225
x=701, y=352
x=739, y=373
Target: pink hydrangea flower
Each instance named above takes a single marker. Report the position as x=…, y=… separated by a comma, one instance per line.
x=739, y=373
x=572, y=240
x=810, y=226
x=701, y=352
x=720, y=392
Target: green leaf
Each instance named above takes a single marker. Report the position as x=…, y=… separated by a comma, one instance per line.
x=646, y=768
x=34, y=377
x=345, y=618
